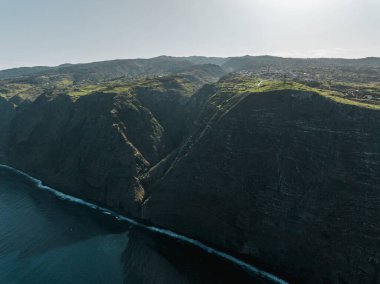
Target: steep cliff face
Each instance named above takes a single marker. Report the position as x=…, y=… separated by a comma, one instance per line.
x=289, y=178
x=98, y=145
x=7, y=112
x=85, y=147
x=280, y=174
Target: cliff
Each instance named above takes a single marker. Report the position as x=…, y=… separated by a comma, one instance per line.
x=96, y=146
x=289, y=178
x=284, y=175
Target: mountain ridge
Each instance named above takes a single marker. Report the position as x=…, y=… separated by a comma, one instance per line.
x=18, y=71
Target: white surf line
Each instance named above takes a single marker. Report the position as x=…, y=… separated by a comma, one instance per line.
x=251, y=268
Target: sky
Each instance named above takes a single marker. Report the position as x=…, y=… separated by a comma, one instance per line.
x=52, y=32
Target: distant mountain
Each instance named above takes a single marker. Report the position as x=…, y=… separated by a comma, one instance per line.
x=248, y=63
x=22, y=71
x=105, y=70
x=206, y=60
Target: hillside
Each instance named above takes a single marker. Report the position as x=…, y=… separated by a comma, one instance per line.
x=274, y=166
x=69, y=135
x=103, y=70
x=287, y=177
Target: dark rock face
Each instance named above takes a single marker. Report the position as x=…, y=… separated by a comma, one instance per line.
x=287, y=178
x=98, y=146
x=175, y=262
x=83, y=146
x=7, y=112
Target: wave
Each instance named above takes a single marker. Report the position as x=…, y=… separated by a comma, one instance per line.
x=244, y=265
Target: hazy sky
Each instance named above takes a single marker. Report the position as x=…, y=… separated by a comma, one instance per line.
x=51, y=32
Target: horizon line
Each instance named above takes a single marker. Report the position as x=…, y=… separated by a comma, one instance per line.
x=186, y=56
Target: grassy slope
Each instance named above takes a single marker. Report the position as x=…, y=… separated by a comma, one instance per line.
x=244, y=84
x=235, y=83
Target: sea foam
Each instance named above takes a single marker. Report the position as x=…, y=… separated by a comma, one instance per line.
x=244, y=265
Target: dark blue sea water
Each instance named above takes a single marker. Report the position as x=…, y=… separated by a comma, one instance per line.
x=44, y=239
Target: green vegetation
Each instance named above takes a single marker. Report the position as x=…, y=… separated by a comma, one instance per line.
x=9, y=90
x=344, y=81
x=78, y=91
x=159, y=84
x=240, y=84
